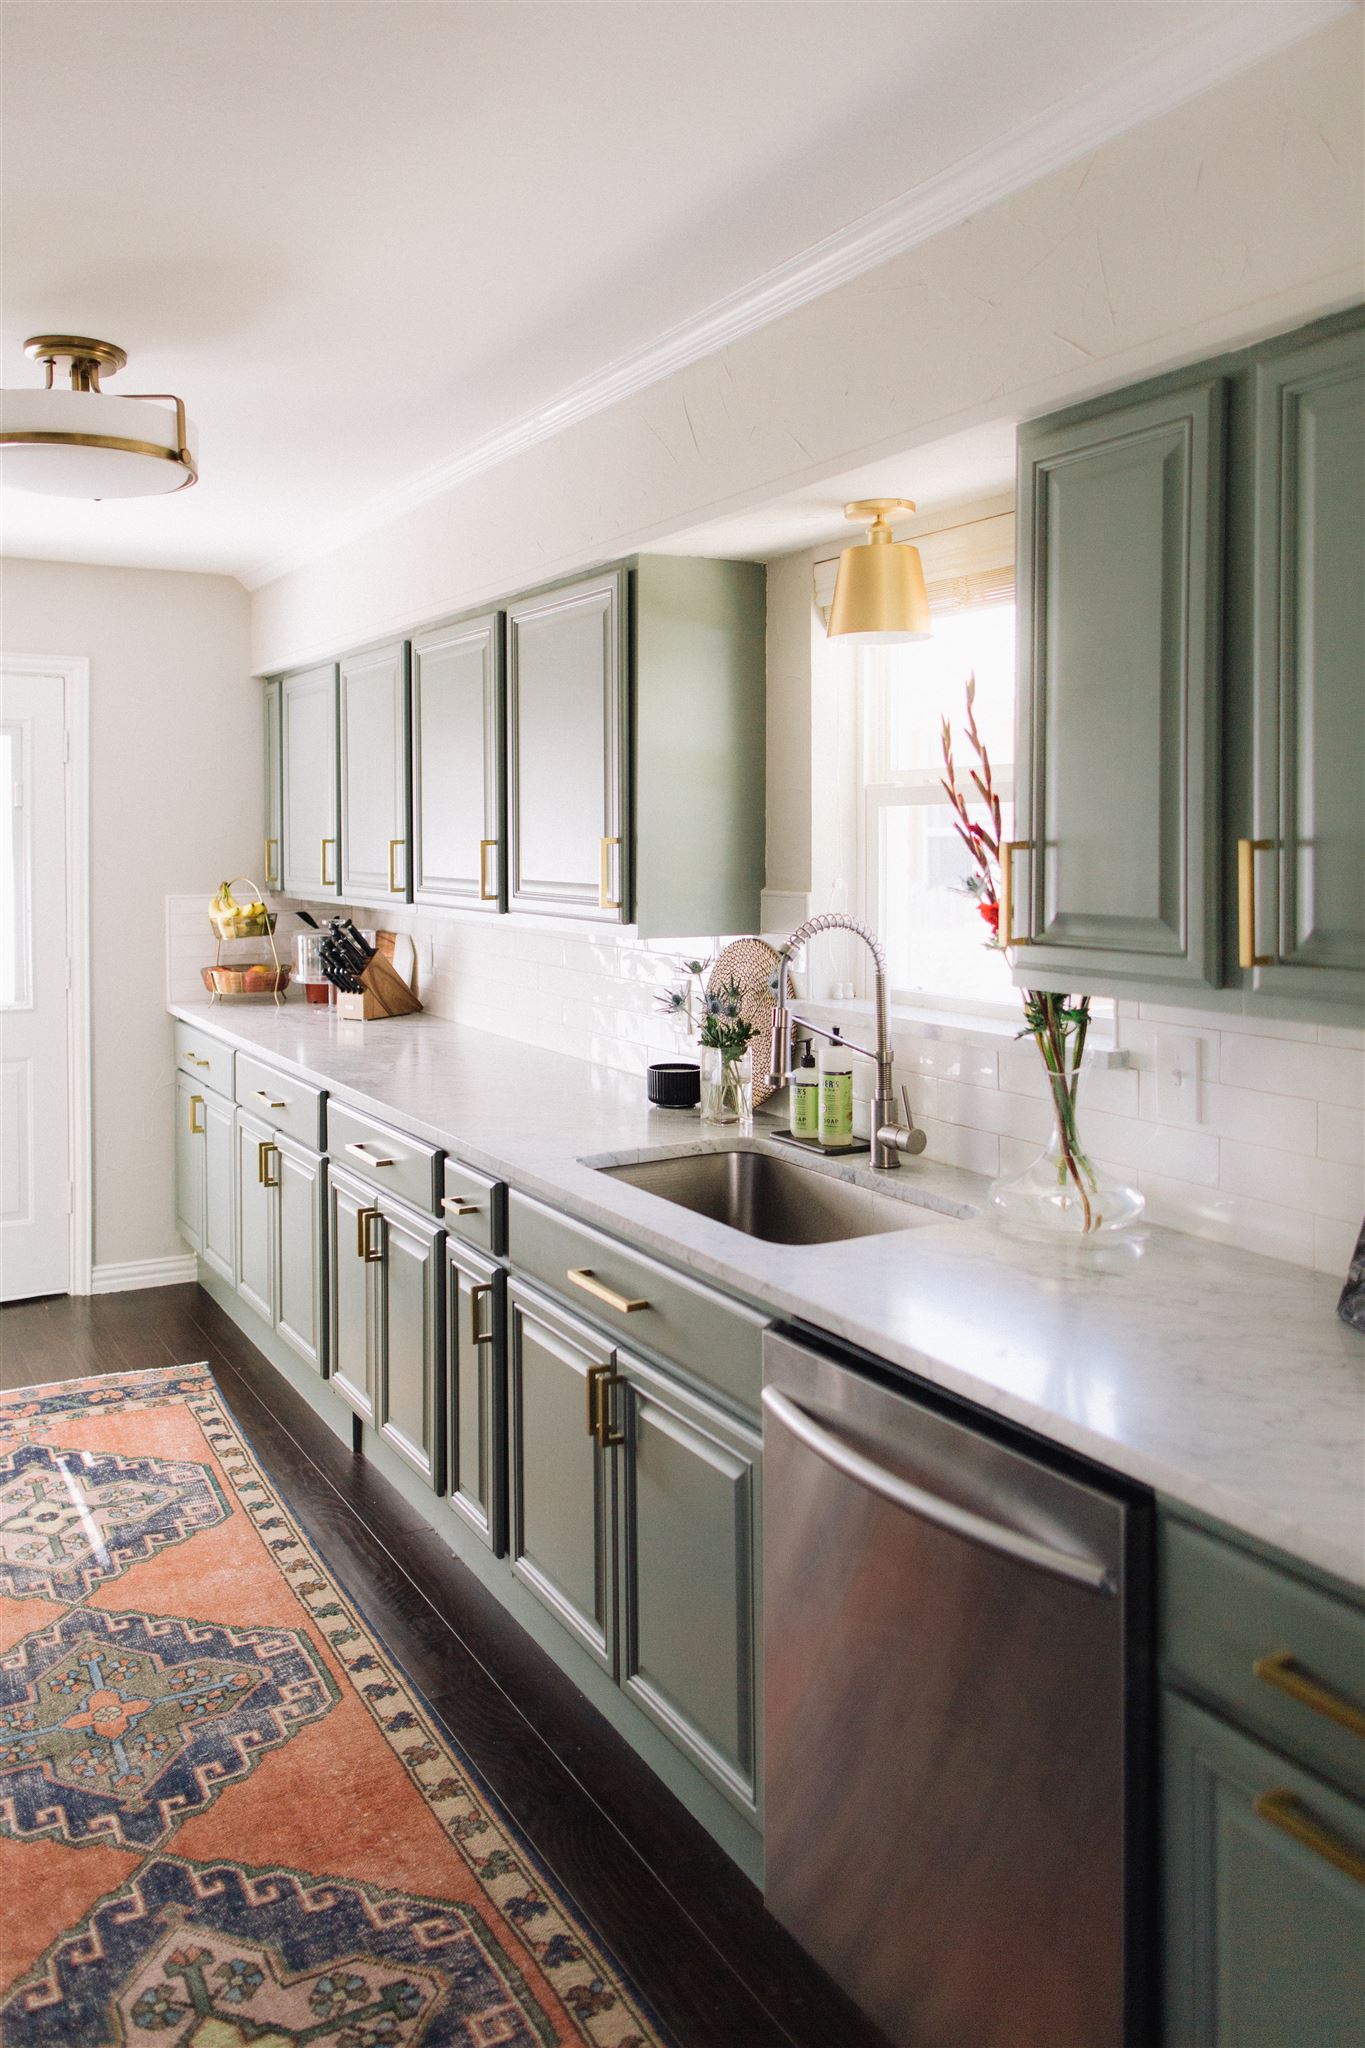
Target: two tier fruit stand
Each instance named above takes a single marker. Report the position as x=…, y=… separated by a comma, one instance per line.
x=232, y=922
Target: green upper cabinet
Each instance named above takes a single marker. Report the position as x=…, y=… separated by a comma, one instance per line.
x=308, y=756
x=1302, y=878
x=1118, y=608
x=373, y=731
x=568, y=741
x=636, y=734
x=1190, y=765
x=458, y=794
x=274, y=787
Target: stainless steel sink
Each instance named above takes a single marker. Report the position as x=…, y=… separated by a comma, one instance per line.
x=772, y=1198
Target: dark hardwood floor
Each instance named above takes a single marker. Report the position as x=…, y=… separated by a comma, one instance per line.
x=684, y=1923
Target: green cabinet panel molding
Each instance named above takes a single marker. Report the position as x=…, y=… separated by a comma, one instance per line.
x=386, y=1297
x=375, y=790
x=274, y=789
x=204, y=1178
x=476, y=1393
x=308, y=755
x=1190, y=754
x=459, y=799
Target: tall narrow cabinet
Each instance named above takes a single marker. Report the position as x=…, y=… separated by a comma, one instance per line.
x=308, y=753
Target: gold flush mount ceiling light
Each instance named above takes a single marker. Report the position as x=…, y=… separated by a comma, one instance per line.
x=84, y=443
x=879, y=594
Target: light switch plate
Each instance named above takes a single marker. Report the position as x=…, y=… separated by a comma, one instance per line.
x=1176, y=1060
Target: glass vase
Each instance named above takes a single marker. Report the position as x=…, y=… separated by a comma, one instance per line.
x=1062, y=1193
x=727, y=1088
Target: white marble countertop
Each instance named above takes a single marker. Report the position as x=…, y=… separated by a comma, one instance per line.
x=1222, y=1379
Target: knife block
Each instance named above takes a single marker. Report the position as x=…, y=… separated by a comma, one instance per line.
x=382, y=994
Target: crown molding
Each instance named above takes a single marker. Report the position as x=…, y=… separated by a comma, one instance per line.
x=1190, y=62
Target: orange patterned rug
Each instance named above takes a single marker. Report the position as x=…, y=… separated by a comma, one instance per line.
x=227, y=1820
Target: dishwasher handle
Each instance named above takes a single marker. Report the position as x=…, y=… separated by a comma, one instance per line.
x=864, y=1471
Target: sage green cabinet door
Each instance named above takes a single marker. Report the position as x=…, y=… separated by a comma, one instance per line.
x=220, y=1234
x=308, y=755
x=256, y=1219
x=476, y=1431
x=374, y=775
x=1117, y=758
x=689, y=1517
x=567, y=739
x=1264, y=1927
x=274, y=786
x=353, y=1295
x=189, y=1161
x=458, y=764
x=300, y=1294
x=1308, y=671
x=562, y=1520
x=411, y=1397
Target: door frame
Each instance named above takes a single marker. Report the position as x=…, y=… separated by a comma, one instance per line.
x=71, y=674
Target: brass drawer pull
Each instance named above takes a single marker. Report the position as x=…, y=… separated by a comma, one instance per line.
x=328, y=881
x=584, y=1277
x=1007, y=934
x=370, y=1158
x=605, y=899
x=264, y=1148
x=1247, y=850
x=395, y=886
x=1284, y=1671
x=601, y=1380
x=272, y=872
x=365, y=1246
x=456, y=1205
x=483, y=1291
x=194, y=1056
x=271, y=1101
x=486, y=895
x=196, y=1128
x=1285, y=1812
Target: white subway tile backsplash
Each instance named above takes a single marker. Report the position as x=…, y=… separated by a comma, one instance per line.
x=1334, y=1243
x=1320, y=1187
x=1278, y=1231
x=1340, y=1134
x=1277, y=1066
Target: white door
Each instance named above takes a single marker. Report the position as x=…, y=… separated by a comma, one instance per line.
x=35, y=1109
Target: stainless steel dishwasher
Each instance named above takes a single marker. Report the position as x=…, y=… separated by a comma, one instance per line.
x=956, y=1723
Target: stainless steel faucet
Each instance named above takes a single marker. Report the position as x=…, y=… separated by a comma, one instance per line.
x=890, y=1137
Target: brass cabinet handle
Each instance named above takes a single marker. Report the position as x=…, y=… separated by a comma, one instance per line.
x=1007, y=934
x=328, y=881
x=605, y=899
x=272, y=1101
x=486, y=895
x=196, y=1128
x=1247, y=850
x=395, y=886
x=272, y=872
x=196, y=1059
x=370, y=1158
x=483, y=1291
x=1284, y=1671
x=264, y=1148
x=584, y=1277
x=365, y=1246
x=456, y=1205
x=1285, y=1812
x=601, y=1380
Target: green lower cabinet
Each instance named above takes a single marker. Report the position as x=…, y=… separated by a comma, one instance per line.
x=409, y=1277
x=353, y=1301
x=256, y=1248
x=204, y=1174
x=189, y=1157
x=1264, y=1894
x=561, y=1536
x=689, y=1516
x=281, y=1251
x=476, y=1364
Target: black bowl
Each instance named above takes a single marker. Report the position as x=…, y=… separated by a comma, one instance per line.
x=674, y=1084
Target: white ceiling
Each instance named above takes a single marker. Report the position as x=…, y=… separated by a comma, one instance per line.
x=361, y=239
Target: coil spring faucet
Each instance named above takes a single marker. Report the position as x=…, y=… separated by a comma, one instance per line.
x=890, y=1137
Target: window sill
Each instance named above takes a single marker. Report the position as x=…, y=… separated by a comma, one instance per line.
x=982, y=1028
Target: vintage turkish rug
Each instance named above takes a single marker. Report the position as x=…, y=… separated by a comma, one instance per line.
x=227, y=1820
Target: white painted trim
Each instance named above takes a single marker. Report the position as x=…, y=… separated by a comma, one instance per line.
x=121, y=1279
x=72, y=671
x=1191, y=61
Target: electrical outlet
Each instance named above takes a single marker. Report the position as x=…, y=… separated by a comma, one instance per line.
x=1175, y=1061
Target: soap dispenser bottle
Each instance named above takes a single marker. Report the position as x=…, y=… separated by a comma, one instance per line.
x=805, y=1095
x=836, y=1093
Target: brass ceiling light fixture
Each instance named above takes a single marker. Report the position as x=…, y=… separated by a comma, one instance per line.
x=879, y=594
x=84, y=443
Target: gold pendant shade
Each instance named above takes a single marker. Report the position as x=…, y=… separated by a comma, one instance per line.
x=879, y=594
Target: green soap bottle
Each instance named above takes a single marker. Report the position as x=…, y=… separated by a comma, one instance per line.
x=836, y=1093
x=805, y=1095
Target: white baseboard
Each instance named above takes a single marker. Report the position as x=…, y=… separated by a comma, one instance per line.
x=172, y=1272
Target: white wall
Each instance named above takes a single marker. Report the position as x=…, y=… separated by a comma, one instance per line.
x=176, y=802
x=1233, y=216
